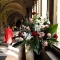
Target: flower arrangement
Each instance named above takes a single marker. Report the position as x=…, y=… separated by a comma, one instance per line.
x=37, y=32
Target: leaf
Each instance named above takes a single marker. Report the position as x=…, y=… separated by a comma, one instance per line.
x=21, y=43
x=34, y=42
x=52, y=29
x=26, y=23
x=35, y=45
x=51, y=41
x=54, y=40
x=36, y=51
x=35, y=17
x=17, y=44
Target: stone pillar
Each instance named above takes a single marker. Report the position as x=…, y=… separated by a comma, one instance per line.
x=55, y=12
x=48, y=9
x=29, y=12
x=0, y=17
x=40, y=7
x=1, y=24
x=51, y=9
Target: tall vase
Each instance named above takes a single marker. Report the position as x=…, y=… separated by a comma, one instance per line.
x=23, y=54
x=29, y=53
x=38, y=56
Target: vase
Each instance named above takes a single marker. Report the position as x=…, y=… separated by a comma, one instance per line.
x=23, y=53
x=38, y=56
x=29, y=53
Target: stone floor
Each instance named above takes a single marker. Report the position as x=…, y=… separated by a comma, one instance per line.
x=3, y=48
x=9, y=53
x=3, y=54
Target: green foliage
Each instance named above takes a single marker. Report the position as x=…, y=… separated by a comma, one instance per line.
x=35, y=17
x=52, y=29
x=17, y=44
x=34, y=43
x=26, y=23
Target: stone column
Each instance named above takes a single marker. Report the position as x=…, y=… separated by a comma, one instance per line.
x=55, y=12
x=48, y=9
x=0, y=17
x=40, y=7
x=1, y=24
x=51, y=7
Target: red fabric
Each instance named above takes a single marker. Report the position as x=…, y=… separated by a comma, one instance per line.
x=8, y=34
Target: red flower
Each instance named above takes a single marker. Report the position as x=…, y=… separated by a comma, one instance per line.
x=35, y=34
x=55, y=36
x=33, y=13
x=19, y=34
x=50, y=24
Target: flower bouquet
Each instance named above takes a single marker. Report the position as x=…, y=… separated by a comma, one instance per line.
x=37, y=32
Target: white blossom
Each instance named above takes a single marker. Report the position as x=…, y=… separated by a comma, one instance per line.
x=48, y=21
x=29, y=37
x=38, y=24
x=24, y=34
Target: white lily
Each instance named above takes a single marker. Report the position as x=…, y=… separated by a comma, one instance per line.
x=24, y=34
x=29, y=36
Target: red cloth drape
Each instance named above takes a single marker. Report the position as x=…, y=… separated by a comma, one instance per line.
x=8, y=34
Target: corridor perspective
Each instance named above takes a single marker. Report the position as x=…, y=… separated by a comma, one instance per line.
x=35, y=27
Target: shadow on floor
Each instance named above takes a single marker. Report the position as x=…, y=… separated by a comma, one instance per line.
x=2, y=57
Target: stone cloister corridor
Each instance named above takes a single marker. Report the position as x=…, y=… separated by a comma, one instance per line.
x=15, y=13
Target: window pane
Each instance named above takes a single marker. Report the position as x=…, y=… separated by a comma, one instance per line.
x=44, y=8
x=58, y=20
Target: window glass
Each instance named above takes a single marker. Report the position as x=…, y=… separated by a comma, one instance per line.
x=58, y=20
x=44, y=8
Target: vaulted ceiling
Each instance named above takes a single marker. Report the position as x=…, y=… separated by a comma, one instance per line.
x=12, y=8
x=15, y=5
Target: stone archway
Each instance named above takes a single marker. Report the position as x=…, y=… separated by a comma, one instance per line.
x=12, y=18
x=15, y=7
x=12, y=8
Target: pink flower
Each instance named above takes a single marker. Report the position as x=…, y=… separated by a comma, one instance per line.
x=42, y=34
x=23, y=26
x=46, y=26
x=30, y=20
x=49, y=34
x=45, y=43
x=21, y=38
x=28, y=28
